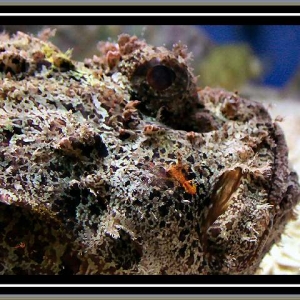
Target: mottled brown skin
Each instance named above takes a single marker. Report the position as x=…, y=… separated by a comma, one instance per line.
x=85, y=158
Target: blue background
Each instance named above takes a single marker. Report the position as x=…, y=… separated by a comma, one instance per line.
x=278, y=47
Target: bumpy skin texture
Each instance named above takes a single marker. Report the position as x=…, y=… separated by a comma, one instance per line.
x=122, y=166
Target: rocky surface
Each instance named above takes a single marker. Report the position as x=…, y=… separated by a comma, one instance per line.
x=121, y=165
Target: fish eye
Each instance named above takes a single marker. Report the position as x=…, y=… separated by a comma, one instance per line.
x=160, y=77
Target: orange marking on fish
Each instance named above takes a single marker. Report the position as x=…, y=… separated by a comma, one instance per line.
x=21, y=245
x=176, y=172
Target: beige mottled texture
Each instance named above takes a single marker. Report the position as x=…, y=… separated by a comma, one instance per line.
x=100, y=160
x=284, y=256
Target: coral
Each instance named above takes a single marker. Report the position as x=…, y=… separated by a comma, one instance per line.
x=121, y=165
x=229, y=67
